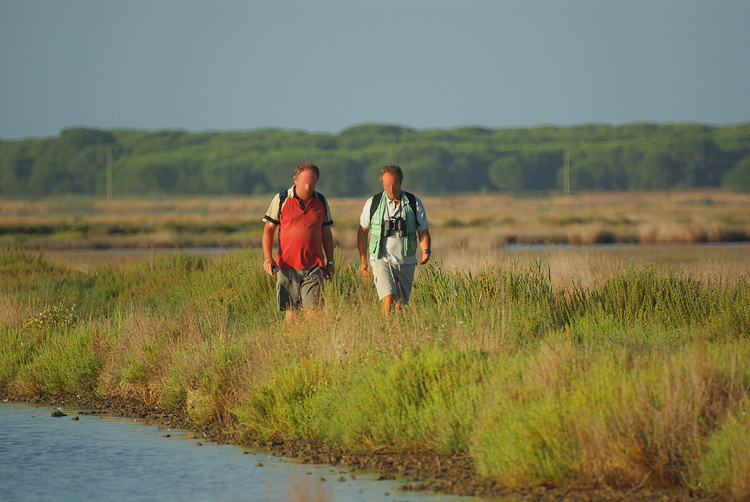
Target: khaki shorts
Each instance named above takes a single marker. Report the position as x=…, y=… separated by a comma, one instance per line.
x=300, y=287
x=393, y=279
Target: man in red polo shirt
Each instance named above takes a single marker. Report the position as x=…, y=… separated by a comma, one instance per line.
x=305, y=254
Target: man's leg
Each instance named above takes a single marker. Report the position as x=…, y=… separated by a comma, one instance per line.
x=386, y=304
x=293, y=316
x=289, y=317
x=402, y=278
x=389, y=284
x=311, y=289
x=288, y=294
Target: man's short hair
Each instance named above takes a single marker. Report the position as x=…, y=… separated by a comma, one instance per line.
x=304, y=166
x=394, y=170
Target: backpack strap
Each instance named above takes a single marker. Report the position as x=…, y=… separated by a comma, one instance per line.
x=412, y=202
x=376, y=201
x=282, y=198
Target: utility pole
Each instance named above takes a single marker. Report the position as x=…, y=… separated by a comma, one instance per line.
x=566, y=173
x=109, y=174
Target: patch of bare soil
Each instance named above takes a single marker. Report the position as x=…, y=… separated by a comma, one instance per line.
x=423, y=471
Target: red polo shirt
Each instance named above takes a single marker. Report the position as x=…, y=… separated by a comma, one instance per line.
x=300, y=230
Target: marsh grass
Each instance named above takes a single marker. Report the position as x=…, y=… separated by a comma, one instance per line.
x=638, y=378
x=724, y=466
x=51, y=360
x=693, y=216
x=421, y=399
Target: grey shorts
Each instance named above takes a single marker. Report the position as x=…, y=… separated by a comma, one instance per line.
x=393, y=279
x=300, y=287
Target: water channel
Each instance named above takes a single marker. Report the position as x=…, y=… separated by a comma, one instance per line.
x=94, y=457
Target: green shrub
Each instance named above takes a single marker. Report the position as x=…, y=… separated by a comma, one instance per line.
x=63, y=361
x=726, y=465
x=140, y=367
x=424, y=400
x=16, y=350
x=52, y=316
x=527, y=443
x=281, y=406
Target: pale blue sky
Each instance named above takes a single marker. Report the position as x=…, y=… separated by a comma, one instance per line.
x=330, y=64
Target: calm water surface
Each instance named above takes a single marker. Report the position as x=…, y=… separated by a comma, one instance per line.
x=112, y=459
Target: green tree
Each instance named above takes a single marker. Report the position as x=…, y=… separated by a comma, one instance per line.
x=596, y=170
x=340, y=176
x=703, y=165
x=658, y=171
x=16, y=164
x=78, y=138
x=738, y=179
x=467, y=159
x=506, y=174
x=370, y=134
x=540, y=169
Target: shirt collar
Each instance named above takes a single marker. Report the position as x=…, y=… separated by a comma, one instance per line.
x=393, y=201
x=294, y=193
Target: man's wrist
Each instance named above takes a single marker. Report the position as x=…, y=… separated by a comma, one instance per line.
x=331, y=262
x=428, y=251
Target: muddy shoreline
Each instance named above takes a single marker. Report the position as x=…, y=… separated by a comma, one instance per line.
x=449, y=474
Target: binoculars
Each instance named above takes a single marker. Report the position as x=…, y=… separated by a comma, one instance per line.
x=394, y=224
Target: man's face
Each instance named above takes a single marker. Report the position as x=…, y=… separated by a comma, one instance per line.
x=304, y=184
x=391, y=185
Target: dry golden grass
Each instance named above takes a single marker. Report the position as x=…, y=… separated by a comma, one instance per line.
x=589, y=265
x=11, y=312
x=647, y=217
x=136, y=357
x=469, y=231
x=568, y=265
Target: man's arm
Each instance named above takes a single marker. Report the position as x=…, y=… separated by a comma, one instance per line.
x=425, y=241
x=362, y=247
x=268, y=232
x=328, y=250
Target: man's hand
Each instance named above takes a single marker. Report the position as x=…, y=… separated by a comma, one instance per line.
x=424, y=242
x=363, y=268
x=426, y=253
x=330, y=270
x=362, y=248
x=270, y=266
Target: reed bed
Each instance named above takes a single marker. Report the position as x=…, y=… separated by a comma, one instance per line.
x=638, y=377
x=584, y=218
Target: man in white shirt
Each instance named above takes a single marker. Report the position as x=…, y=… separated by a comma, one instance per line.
x=397, y=222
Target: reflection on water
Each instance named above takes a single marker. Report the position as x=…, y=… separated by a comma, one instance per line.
x=111, y=459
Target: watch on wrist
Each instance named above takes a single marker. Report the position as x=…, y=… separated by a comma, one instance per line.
x=428, y=251
x=330, y=262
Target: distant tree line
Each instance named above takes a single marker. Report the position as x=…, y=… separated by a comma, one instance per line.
x=640, y=156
